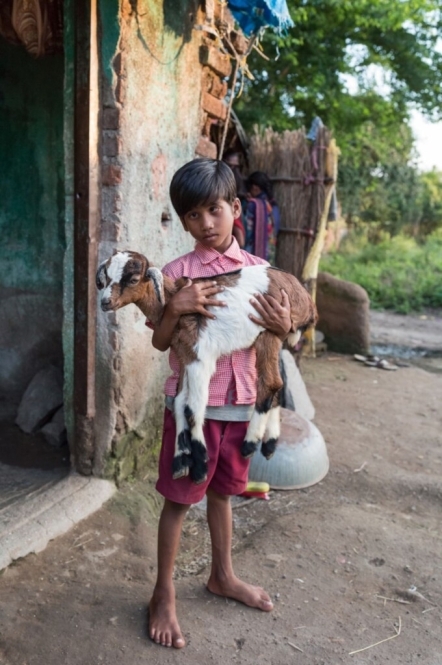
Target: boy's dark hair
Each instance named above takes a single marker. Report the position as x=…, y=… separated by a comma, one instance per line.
x=200, y=182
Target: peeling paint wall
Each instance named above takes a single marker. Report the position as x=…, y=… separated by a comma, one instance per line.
x=31, y=186
x=151, y=126
x=31, y=218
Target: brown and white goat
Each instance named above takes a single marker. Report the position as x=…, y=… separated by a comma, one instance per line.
x=198, y=341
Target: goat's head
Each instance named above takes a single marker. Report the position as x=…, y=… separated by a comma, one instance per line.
x=126, y=277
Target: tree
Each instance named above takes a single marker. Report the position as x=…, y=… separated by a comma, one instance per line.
x=335, y=39
x=360, y=65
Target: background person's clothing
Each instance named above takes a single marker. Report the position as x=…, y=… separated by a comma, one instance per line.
x=262, y=228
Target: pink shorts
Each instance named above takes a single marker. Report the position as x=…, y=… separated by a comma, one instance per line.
x=227, y=472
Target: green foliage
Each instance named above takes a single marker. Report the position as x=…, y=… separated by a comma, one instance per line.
x=334, y=39
x=361, y=65
x=397, y=273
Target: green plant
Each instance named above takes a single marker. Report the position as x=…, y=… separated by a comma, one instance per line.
x=397, y=273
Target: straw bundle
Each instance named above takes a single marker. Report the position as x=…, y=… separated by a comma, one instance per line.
x=300, y=174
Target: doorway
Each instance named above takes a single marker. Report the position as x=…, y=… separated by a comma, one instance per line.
x=32, y=247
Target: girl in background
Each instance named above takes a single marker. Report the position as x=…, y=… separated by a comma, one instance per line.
x=262, y=217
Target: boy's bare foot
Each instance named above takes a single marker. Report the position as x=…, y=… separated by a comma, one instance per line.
x=232, y=587
x=163, y=624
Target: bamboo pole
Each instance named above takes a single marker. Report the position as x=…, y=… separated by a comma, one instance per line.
x=311, y=267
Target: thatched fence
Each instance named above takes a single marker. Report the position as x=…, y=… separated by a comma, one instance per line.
x=303, y=173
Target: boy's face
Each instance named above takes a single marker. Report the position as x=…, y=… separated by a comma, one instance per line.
x=211, y=224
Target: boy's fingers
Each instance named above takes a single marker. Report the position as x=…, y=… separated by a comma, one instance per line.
x=255, y=319
x=214, y=303
x=261, y=304
x=285, y=299
x=206, y=313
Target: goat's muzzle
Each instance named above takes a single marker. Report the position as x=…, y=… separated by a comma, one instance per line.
x=107, y=305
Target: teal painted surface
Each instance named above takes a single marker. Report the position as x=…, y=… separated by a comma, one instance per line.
x=110, y=34
x=68, y=265
x=32, y=182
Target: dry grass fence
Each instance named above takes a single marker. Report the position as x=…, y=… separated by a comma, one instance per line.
x=303, y=173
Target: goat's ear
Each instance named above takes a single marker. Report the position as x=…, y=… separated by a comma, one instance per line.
x=158, y=282
x=100, y=278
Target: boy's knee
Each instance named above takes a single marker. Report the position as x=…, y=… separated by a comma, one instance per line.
x=214, y=496
x=174, y=507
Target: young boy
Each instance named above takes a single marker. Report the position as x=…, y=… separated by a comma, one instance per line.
x=203, y=193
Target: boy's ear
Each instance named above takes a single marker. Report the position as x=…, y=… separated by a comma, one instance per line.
x=236, y=207
x=184, y=224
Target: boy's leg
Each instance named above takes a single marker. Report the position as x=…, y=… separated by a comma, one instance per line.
x=163, y=624
x=223, y=580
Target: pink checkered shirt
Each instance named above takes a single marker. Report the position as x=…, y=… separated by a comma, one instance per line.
x=237, y=371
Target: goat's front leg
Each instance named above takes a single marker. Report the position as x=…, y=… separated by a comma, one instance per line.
x=267, y=347
x=198, y=376
x=181, y=460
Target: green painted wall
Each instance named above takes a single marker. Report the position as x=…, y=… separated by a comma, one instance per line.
x=68, y=264
x=31, y=164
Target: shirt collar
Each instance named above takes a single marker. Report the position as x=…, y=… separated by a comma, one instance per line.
x=207, y=254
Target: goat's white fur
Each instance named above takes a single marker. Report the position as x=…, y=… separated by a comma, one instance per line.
x=231, y=330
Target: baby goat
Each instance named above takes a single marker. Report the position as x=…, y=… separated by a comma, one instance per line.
x=199, y=341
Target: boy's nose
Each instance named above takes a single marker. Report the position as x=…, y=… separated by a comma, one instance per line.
x=207, y=222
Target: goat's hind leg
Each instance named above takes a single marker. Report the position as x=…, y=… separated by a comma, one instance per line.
x=182, y=457
x=268, y=347
x=198, y=376
x=272, y=430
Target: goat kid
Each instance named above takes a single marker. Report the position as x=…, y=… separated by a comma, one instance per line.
x=198, y=341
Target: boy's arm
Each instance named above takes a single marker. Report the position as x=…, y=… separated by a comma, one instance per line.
x=191, y=299
x=275, y=316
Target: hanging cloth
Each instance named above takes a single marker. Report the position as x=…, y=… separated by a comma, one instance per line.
x=254, y=15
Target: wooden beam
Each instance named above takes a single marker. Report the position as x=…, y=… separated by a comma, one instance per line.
x=85, y=232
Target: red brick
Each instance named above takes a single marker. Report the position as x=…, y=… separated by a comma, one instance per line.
x=213, y=106
x=111, y=119
x=213, y=58
x=110, y=145
x=110, y=232
x=218, y=88
x=239, y=42
x=206, y=148
x=111, y=175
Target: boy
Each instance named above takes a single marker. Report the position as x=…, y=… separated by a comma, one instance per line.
x=203, y=193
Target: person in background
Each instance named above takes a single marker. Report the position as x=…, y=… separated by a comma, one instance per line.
x=232, y=159
x=262, y=217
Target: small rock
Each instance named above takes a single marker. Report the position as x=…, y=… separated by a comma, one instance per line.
x=43, y=396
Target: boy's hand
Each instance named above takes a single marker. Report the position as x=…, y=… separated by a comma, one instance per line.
x=275, y=316
x=195, y=298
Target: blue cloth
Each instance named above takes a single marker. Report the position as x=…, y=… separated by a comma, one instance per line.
x=316, y=126
x=254, y=15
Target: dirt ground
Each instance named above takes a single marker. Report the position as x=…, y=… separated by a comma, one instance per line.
x=338, y=558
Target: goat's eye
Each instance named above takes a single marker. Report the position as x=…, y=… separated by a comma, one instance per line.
x=134, y=280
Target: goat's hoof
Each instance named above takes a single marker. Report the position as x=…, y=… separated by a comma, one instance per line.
x=198, y=475
x=198, y=471
x=268, y=448
x=199, y=451
x=248, y=449
x=180, y=466
x=184, y=442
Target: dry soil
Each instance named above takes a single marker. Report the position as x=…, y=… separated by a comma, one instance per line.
x=350, y=562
